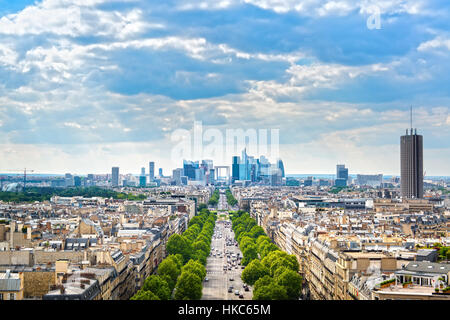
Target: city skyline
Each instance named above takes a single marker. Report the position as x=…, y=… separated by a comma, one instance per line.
x=88, y=85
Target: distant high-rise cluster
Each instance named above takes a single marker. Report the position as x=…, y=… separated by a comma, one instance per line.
x=197, y=172
x=248, y=168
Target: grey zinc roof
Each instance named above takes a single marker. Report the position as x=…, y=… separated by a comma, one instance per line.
x=428, y=267
x=11, y=283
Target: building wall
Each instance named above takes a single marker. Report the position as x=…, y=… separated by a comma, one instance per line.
x=16, y=258
x=44, y=257
x=37, y=283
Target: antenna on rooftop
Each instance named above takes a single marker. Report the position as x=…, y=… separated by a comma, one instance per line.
x=411, y=121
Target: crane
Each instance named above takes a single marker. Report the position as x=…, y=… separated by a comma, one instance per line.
x=25, y=170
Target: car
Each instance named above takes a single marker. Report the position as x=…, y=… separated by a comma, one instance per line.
x=206, y=279
x=246, y=289
x=241, y=296
x=231, y=287
x=231, y=279
x=230, y=290
x=242, y=267
x=236, y=292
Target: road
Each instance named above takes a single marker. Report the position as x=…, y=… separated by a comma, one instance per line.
x=216, y=288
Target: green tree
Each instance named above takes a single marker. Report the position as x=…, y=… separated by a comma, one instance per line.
x=199, y=220
x=169, y=268
x=256, y=232
x=179, y=245
x=245, y=241
x=144, y=295
x=199, y=256
x=291, y=280
x=254, y=271
x=157, y=285
x=189, y=287
x=276, y=259
x=201, y=245
x=202, y=206
x=261, y=239
x=249, y=254
x=268, y=248
x=194, y=267
x=266, y=288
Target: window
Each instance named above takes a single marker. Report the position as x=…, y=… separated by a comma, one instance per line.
x=12, y=296
x=1, y=296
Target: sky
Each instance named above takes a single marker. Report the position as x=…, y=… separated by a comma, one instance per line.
x=90, y=84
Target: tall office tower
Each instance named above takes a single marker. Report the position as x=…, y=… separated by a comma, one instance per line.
x=77, y=181
x=341, y=175
x=160, y=172
x=142, y=171
x=281, y=167
x=151, y=170
x=235, y=169
x=90, y=179
x=411, y=165
x=207, y=164
x=189, y=168
x=68, y=180
x=142, y=181
x=244, y=170
x=211, y=179
x=176, y=175
x=115, y=176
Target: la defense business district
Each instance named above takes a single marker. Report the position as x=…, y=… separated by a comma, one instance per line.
x=238, y=232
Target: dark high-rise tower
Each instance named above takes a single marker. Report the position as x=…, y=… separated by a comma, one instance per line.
x=115, y=176
x=235, y=169
x=411, y=165
x=281, y=167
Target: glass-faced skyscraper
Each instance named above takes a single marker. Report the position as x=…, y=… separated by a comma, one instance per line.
x=151, y=171
x=411, y=165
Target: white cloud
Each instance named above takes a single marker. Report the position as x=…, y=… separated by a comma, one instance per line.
x=342, y=7
x=74, y=18
x=437, y=44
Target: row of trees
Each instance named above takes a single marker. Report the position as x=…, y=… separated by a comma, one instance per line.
x=273, y=272
x=214, y=200
x=45, y=193
x=181, y=274
x=230, y=198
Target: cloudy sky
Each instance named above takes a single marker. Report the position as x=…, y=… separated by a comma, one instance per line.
x=90, y=84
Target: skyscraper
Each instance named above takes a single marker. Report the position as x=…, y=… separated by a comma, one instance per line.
x=69, y=180
x=341, y=175
x=142, y=171
x=115, y=176
x=235, y=169
x=142, y=181
x=411, y=165
x=189, y=168
x=281, y=167
x=160, y=172
x=176, y=175
x=77, y=181
x=151, y=170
